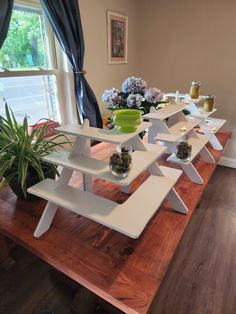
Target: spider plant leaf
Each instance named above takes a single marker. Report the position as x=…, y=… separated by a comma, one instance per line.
x=40, y=135
x=21, y=153
x=3, y=183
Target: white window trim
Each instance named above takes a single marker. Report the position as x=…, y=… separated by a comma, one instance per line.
x=11, y=73
x=67, y=111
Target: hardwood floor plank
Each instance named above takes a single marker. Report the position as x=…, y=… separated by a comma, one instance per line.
x=28, y=287
x=6, y=261
x=202, y=274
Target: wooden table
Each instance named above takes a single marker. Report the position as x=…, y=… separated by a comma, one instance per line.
x=125, y=272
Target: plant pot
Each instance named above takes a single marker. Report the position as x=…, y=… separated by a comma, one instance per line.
x=127, y=120
x=31, y=180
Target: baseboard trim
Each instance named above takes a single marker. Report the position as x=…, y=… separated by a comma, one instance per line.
x=227, y=162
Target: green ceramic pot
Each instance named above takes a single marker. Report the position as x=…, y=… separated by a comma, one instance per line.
x=127, y=120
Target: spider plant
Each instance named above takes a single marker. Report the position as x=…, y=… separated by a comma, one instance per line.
x=21, y=152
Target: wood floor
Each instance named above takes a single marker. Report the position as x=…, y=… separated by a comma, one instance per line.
x=28, y=288
x=200, y=279
x=202, y=275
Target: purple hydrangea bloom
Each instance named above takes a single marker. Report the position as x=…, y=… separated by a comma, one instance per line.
x=134, y=85
x=134, y=100
x=112, y=96
x=153, y=95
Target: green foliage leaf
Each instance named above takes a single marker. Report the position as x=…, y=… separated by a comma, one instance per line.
x=24, y=39
x=21, y=153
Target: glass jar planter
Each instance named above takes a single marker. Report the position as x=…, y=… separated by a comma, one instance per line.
x=194, y=91
x=184, y=150
x=120, y=162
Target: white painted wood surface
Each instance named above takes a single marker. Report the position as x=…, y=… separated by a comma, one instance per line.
x=209, y=127
x=164, y=113
x=177, y=131
x=197, y=146
x=185, y=97
x=212, y=125
x=167, y=137
x=189, y=125
x=192, y=173
x=46, y=218
x=82, y=147
x=181, y=128
x=141, y=160
x=207, y=156
x=171, y=173
x=129, y=218
x=159, y=125
x=201, y=113
x=103, y=135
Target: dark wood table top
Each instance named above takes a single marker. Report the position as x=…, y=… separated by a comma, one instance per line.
x=125, y=272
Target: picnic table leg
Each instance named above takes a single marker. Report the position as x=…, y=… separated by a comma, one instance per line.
x=86, y=302
x=6, y=262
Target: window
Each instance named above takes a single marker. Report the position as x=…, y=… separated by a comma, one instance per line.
x=28, y=66
x=33, y=96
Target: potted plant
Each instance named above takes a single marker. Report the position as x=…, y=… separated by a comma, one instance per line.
x=134, y=94
x=22, y=152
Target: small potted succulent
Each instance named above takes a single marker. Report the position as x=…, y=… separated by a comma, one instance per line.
x=22, y=152
x=184, y=150
x=121, y=161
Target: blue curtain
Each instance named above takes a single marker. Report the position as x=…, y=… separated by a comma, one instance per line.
x=5, y=17
x=64, y=17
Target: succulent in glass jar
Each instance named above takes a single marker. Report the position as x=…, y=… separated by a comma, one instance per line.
x=121, y=161
x=184, y=150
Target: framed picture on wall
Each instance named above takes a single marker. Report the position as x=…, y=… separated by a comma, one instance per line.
x=117, y=32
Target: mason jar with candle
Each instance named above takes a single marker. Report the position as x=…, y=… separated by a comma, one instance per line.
x=209, y=103
x=194, y=91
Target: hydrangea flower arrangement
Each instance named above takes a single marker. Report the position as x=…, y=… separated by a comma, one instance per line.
x=134, y=101
x=112, y=96
x=153, y=95
x=134, y=85
x=133, y=95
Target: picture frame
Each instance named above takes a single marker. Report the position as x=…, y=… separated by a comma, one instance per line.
x=117, y=37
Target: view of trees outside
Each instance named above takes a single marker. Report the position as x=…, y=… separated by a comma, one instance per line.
x=25, y=49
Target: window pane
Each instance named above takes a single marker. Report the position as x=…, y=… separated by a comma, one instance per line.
x=25, y=46
x=34, y=96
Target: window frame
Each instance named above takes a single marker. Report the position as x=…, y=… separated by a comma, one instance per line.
x=60, y=70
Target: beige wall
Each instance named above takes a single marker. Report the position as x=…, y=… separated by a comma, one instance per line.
x=100, y=74
x=189, y=40
x=170, y=44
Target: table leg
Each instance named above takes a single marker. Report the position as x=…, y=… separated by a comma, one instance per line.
x=6, y=262
x=85, y=302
